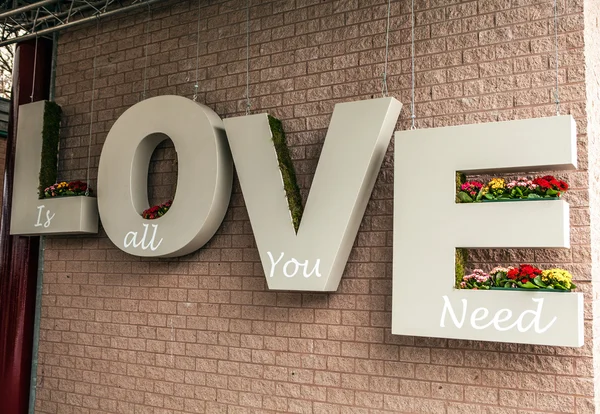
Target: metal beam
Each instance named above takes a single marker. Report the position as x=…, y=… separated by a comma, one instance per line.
x=36, y=20
x=23, y=9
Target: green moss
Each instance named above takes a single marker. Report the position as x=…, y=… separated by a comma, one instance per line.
x=460, y=180
x=460, y=259
x=460, y=256
x=288, y=173
x=50, y=141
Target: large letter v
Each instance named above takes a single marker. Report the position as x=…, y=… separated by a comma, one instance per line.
x=314, y=258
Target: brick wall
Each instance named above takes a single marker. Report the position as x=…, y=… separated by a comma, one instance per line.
x=202, y=333
x=592, y=60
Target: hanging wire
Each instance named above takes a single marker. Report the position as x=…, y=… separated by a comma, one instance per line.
x=35, y=53
x=248, y=104
x=146, y=51
x=89, y=155
x=195, y=96
x=556, y=94
x=412, y=65
x=384, y=85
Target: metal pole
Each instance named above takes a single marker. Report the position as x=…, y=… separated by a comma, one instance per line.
x=27, y=8
x=36, y=327
x=78, y=22
x=19, y=255
x=65, y=14
x=40, y=271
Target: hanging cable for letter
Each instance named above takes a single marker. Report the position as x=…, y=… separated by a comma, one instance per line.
x=35, y=53
x=34, y=56
x=412, y=65
x=146, y=51
x=556, y=95
x=195, y=96
x=247, y=57
x=384, y=86
x=89, y=154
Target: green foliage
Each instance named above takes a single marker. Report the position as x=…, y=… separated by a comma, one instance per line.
x=460, y=180
x=463, y=197
x=460, y=259
x=288, y=173
x=460, y=256
x=50, y=141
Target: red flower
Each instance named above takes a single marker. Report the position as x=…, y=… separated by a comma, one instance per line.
x=155, y=212
x=525, y=273
x=563, y=186
x=544, y=184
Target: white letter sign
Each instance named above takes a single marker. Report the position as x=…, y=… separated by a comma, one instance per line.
x=29, y=214
x=315, y=258
x=309, y=251
x=203, y=181
x=427, y=229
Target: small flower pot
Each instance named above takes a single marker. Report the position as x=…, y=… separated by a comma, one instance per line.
x=519, y=199
x=58, y=215
x=530, y=290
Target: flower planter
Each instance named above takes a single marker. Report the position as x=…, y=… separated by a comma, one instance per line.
x=520, y=199
x=529, y=290
x=60, y=215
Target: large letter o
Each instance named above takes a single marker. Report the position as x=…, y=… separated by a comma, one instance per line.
x=203, y=184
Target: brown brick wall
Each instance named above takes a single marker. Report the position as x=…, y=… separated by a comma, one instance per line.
x=592, y=60
x=202, y=333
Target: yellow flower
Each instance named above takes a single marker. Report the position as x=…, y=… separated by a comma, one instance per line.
x=497, y=183
x=557, y=276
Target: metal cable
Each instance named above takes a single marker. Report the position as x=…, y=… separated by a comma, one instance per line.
x=384, y=85
x=89, y=155
x=146, y=51
x=556, y=93
x=34, y=68
x=248, y=104
x=412, y=65
x=195, y=96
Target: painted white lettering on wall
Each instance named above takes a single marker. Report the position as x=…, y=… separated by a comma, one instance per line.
x=131, y=239
x=479, y=318
x=49, y=217
x=291, y=267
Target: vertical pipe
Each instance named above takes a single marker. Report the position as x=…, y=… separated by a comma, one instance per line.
x=18, y=255
x=40, y=271
x=36, y=327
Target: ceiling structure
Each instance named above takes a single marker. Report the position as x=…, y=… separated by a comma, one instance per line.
x=28, y=19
